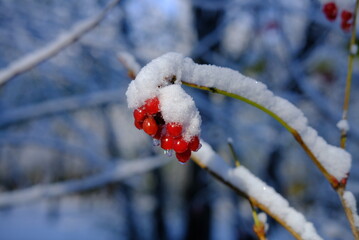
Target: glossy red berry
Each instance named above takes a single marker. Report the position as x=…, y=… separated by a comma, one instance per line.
x=180, y=145
x=174, y=129
x=194, y=144
x=330, y=10
x=150, y=126
x=167, y=142
x=346, y=15
x=139, y=114
x=138, y=124
x=184, y=157
x=346, y=26
x=152, y=105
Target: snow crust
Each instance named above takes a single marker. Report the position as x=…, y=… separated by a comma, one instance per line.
x=350, y=200
x=244, y=180
x=343, y=125
x=153, y=79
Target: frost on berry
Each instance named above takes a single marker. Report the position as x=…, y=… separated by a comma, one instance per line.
x=162, y=109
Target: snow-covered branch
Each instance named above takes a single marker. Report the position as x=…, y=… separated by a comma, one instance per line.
x=58, y=106
x=33, y=59
x=259, y=193
x=333, y=162
x=115, y=173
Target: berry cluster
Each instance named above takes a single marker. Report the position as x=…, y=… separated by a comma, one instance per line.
x=331, y=11
x=168, y=135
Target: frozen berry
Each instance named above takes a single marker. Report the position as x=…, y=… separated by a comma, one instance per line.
x=346, y=15
x=167, y=142
x=174, y=129
x=138, y=124
x=150, y=126
x=194, y=144
x=346, y=26
x=330, y=10
x=152, y=105
x=180, y=145
x=139, y=114
x=184, y=156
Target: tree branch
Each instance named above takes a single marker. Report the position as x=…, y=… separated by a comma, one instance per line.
x=115, y=173
x=62, y=41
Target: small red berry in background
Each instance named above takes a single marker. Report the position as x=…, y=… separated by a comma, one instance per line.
x=167, y=142
x=194, y=144
x=180, y=145
x=346, y=26
x=150, y=126
x=152, y=105
x=139, y=114
x=174, y=129
x=184, y=156
x=346, y=15
x=330, y=10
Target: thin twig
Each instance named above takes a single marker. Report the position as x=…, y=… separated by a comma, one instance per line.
x=343, y=135
x=33, y=59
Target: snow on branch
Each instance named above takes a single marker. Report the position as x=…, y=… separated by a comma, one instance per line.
x=333, y=162
x=116, y=173
x=58, y=106
x=351, y=202
x=33, y=59
x=262, y=195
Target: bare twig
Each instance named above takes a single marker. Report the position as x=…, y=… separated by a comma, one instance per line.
x=343, y=135
x=64, y=40
x=116, y=173
x=61, y=105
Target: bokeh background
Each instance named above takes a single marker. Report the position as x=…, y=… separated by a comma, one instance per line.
x=67, y=120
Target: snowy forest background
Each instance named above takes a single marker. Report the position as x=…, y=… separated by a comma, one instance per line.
x=67, y=119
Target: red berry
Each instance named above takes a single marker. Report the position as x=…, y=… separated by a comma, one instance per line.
x=194, y=143
x=150, y=126
x=174, y=129
x=330, y=10
x=180, y=145
x=152, y=105
x=346, y=26
x=139, y=114
x=167, y=142
x=138, y=124
x=346, y=15
x=184, y=157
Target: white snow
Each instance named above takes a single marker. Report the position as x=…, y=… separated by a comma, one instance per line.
x=343, y=125
x=263, y=218
x=350, y=200
x=156, y=80
x=153, y=78
x=178, y=106
x=129, y=62
x=354, y=49
x=244, y=180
